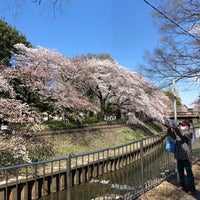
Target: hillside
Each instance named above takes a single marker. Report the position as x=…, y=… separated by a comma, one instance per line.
x=96, y=138
x=21, y=147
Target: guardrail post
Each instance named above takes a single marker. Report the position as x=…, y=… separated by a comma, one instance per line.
x=142, y=163
x=68, y=177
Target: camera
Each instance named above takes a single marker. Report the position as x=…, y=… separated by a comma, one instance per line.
x=171, y=123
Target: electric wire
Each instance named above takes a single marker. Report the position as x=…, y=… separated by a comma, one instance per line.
x=172, y=21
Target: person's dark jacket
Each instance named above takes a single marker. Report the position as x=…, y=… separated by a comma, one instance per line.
x=183, y=143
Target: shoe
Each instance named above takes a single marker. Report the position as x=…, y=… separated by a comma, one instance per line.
x=191, y=191
x=183, y=188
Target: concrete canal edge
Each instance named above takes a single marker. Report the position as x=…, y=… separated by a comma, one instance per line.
x=46, y=182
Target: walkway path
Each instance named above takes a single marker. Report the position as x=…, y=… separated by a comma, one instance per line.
x=168, y=190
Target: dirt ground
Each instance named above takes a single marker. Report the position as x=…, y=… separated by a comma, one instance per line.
x=168, y=190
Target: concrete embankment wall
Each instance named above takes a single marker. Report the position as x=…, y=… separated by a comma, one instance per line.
x=35, y=180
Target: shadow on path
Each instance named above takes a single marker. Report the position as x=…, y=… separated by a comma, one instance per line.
x=169, y=189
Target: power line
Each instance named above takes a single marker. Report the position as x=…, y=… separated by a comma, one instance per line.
x=188, y=33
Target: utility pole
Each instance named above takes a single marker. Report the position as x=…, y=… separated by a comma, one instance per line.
x=175, y=93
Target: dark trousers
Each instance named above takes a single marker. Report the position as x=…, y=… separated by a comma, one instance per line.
x=185, y=164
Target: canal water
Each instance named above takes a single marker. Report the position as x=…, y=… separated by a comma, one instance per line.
x=127, y=180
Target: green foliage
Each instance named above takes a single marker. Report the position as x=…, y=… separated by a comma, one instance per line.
x=41, y=152
x=8, y=158
x=24, y=93
x=137, y=136
x=196, y=122
x=171, y=97
x=125, y=132
x=9, y=36
x=102, y=56
x=59, y=125
x=101, y=123
x=27, y=148
x=72, y=123
x=128, y=138
x=90, y=120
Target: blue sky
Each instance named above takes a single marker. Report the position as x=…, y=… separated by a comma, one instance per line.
x=121, y=28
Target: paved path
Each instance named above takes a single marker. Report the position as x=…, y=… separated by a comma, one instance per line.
x=195, y=196
x=168, y=190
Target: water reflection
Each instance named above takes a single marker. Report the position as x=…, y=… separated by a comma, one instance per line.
x=127, y=180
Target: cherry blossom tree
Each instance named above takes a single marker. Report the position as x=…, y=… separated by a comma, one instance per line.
x=11, y=109
x=142, y=99
x=97, y=81
x=197, y=104
x=107, y=84
x=84, y=84
x=158, y=103
x=49, y=75
x=5, y=87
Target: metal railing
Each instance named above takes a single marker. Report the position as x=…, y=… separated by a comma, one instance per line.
x=189, y=114
x=124, y=171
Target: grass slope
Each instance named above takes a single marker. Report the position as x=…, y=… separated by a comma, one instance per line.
x=91, y=139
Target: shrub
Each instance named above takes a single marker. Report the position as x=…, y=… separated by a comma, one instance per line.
x=89, y=120
x=41, y=151
x=58, y=125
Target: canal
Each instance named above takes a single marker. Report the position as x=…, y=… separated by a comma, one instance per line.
x=128, y=180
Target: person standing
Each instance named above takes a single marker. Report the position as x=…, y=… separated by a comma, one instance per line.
x=183, y=154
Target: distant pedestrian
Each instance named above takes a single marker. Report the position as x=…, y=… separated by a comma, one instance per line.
x=109, y=120
x=183, y=153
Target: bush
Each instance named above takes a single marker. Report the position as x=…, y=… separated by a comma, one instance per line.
x=59, y=125
x=8, y=158
x=90, y=120
x=42, y=151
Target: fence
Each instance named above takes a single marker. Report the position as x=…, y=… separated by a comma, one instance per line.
x=124, y=171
